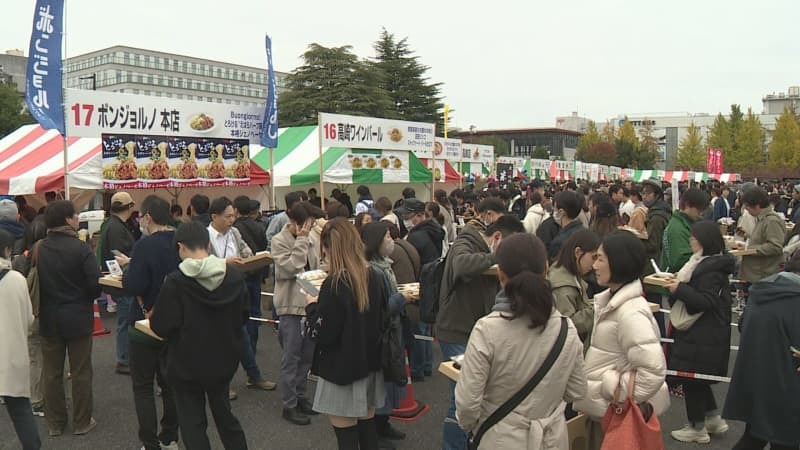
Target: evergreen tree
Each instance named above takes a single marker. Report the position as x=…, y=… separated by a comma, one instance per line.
x=540, y=153
x=627, y=145
x=12, y=113
x=609, y=133
x=332, y=80
x=589, y=138
x=719, y=137
x=648, y=146
x=691, y=153
x=413, y=97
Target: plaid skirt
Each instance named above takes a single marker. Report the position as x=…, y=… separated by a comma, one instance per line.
x=350, y=400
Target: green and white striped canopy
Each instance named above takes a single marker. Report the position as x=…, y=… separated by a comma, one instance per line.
x=296, y=162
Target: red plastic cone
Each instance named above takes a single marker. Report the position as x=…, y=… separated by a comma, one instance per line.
x=99, y=330
x=410, y=409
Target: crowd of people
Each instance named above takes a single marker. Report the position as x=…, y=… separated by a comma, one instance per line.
x=566, y=320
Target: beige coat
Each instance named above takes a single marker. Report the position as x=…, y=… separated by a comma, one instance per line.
x=16, y=318
x=502, y=356
x=290, y=256
x=625, y=337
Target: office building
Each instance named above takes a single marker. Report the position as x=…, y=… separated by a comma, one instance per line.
x=147, y=72
x=775, y=103
x=559, y=143
x=13, y=65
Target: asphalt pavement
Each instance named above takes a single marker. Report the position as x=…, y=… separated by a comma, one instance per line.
x=260, y=412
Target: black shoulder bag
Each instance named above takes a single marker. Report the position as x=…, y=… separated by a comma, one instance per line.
x=513, y=402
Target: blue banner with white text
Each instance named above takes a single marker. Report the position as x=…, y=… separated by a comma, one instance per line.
x=43, y=94
x=269, y=129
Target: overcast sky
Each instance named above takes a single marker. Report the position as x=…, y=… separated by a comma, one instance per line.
x=504, y=64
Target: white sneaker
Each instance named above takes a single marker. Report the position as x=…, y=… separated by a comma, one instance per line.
x=171, y=446
x=716, y=425
x=689, y=434
x=111, y=307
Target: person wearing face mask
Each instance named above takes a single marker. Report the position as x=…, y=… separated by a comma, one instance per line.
x=566, y=210
x=68, y=284
x=152, y=259
x=115, y=236
x=570, y=291
x=427, y=237
x=378, y=246
x=294, y=250
x=625, y=340
x=466, y=296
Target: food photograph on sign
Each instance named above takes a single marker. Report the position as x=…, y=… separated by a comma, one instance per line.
x=151, y=158
x=236, y=160
x=183, y=159
x=201, y=122
x=210, y=153
x=119, y=158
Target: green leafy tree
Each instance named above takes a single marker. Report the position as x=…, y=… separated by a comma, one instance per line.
x=783, y=150
x=540, y=153
x=413, y=97
x=609, y=133
x=648, y=146
x=12, y=112
x=691, y=153
x=719, y=136
x=749, y=140
x=627, y=145
x=332, y=80
x=590, y=137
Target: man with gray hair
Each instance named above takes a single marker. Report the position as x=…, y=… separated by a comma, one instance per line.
x=9, y=221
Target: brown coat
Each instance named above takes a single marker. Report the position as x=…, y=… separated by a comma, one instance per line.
x=406, y=266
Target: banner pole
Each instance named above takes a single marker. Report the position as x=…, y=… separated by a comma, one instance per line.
x=63, y=104
x=273, y=203
x=321, y=169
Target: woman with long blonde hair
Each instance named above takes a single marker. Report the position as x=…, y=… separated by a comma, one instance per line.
x=346, y=321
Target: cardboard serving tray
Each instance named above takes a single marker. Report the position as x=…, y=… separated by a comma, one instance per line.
x=255, y=262
x=144, y=327
x=634, y=231
x=656, y=281
x=448, y=369
x=744, y=252
x=111, y=281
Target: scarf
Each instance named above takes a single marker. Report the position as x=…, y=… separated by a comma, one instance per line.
x=64, y=229
x=501, y=302
x=685, y=274
x=385, y=266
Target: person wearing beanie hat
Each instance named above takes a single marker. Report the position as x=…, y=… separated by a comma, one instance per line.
x=9, y=221
x=114, y=235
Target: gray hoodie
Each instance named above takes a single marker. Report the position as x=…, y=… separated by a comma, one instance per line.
x=209, y=272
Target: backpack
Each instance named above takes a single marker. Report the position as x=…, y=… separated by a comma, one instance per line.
x=430, y=282
x=376, y=216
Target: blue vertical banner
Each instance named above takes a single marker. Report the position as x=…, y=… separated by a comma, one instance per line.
x=43, y=94
x=269, y=128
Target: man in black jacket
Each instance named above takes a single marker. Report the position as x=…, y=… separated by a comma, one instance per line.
x=9, y=221
x=200, y=204
x=201, y=311
x=566, y=208
x=115, y=236
x=153, y=257
x=255, y=235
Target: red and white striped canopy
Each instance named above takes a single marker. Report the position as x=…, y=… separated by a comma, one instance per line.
x=32, y=160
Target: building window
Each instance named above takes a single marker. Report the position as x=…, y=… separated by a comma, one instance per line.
x=146, y=92
x=209, y=99
x=169, y=94
x=135, y=91
x=180, y=96
x=219, y=100
x=190, y=97
x=228, y=101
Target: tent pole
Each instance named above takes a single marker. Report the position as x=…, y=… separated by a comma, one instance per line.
x=321, y=180
x=272, y=201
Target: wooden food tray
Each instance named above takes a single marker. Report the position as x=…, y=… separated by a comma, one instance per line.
x=255, y=262
x=491, y=270
x=635, y=232
x=447, y=368
x=744, y=252
x=656, y=281
x=144, y=327
x=111, y=281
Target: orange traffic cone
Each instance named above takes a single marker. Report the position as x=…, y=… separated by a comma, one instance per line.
x=99, y=330
x=409, y=409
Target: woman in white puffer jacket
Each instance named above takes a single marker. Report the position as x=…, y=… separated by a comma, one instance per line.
x=625, y=336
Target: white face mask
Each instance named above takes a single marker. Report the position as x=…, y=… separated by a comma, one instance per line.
x=143, y=228
x=557, y=216
x=408, y=223
x=387, y=248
